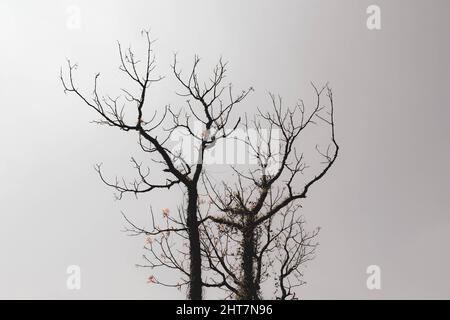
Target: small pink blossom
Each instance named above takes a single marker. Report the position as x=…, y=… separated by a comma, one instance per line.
x=166, y=212
x=151, y=279
x=149, y=240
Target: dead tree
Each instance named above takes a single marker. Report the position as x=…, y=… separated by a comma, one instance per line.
x=260, y=196
x=286, y=247
x=281, y=246
x=209, y=103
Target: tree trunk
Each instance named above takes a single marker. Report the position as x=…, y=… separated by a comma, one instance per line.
x=248, y=290
x=195, y=267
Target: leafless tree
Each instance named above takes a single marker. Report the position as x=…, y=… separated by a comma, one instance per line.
x=209, y=103
x=281, y=247
x=288, y=247
x=263, y=196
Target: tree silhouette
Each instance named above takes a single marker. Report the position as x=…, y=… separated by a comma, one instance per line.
x=210, y=103
x=281, y=248
x=247, y=211
x=245, y=232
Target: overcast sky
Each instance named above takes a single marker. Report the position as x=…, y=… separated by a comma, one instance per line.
x=385, y=202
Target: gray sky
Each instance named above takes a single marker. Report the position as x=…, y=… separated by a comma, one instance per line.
x=385, y=202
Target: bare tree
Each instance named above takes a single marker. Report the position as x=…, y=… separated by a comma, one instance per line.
x=288, y=247
x=210, y=103
x=281, y=248
x=261, y=196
